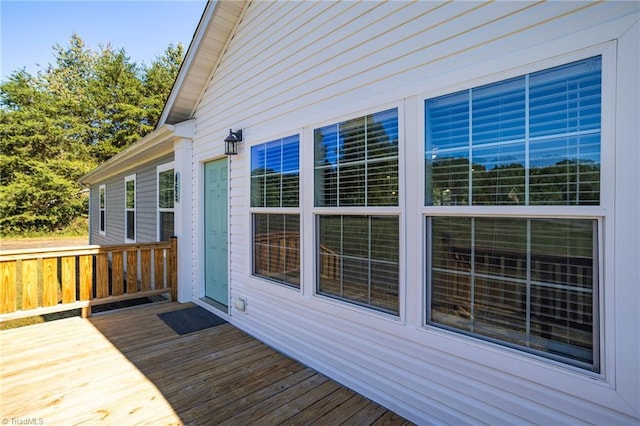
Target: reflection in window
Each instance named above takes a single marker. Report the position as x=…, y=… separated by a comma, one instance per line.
x=102, y=207
x=277, y=247
x=525, y=282
x=356, y=165
x=531, y=140
x=359, y=260
x=275, y=173
x=528, y=283
x=275, y=182
x=166, y=197
x=356, y=162
x=130, y=208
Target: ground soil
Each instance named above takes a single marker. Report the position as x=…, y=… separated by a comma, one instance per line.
x=23, y=243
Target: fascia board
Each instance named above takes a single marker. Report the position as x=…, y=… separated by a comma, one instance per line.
x=192, y=51
x=153, y=145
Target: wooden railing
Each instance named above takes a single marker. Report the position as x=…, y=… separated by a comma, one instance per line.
x=42, y=281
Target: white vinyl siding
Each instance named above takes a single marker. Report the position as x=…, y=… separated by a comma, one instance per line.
x=297, y=66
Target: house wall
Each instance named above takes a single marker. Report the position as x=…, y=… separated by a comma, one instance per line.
x=146, y=205
x=294, y=66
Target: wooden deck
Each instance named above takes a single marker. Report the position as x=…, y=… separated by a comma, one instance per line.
x=128, y=367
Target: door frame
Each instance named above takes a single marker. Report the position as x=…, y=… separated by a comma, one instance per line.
x=201, y=295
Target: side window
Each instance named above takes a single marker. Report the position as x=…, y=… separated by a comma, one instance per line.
x=275, y=194
x=357, y=255
x=528, y=280
x=102, y=209
x=166, y=199
x=130, y=208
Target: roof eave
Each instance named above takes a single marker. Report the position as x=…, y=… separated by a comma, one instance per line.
x=154, y=145
x=220, y=18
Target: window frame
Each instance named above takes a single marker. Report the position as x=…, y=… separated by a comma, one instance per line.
x=127, y=210
x=102, y=209
x=604, y=354
x=273, y=210
x=369, y=211
x=159, y=210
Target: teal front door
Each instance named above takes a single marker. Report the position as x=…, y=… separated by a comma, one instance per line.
x=215, y=228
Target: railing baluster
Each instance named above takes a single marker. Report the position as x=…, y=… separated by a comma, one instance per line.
x=132, y=271
x=117, y=273
x=8, y=301
x=158, y=266
x=50, y=283
x=102, y=275
x=86, y=277
x=145, y=270
x=29, y=284
x=68, y=279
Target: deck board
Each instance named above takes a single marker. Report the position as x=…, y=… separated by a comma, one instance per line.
x=128, y=367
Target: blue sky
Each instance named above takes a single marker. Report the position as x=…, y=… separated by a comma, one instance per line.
x=30, y=29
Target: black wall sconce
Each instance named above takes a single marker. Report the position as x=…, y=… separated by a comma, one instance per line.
x=231, y=142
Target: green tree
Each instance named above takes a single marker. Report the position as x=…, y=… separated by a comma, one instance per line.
x=158, y=80
x=116, y=92
x=57, y=125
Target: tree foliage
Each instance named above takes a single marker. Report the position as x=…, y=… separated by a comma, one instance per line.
x=58, y=124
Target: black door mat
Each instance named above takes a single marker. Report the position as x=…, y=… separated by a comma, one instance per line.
x=189, y=320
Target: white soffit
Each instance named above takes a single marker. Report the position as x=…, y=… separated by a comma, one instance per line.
x=208, y=45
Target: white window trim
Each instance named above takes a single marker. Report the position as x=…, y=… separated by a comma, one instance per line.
x=495, y=355
x=102, y=209
x=274, y=210
x=159, y=169
x=127, y=179
x=311, y=212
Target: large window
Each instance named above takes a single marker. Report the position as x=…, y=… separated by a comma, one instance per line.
x=130, y=208
x=102, y=191
x=275, y=182
x=357, y=251
x=166, y=199
x=526, y=280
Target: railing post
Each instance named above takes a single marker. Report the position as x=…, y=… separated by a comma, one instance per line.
x=8, y=302
x=29, y=284
x=173, y=268
x=86, y=282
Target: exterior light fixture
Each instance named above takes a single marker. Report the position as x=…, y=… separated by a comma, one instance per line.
x=231, y=142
